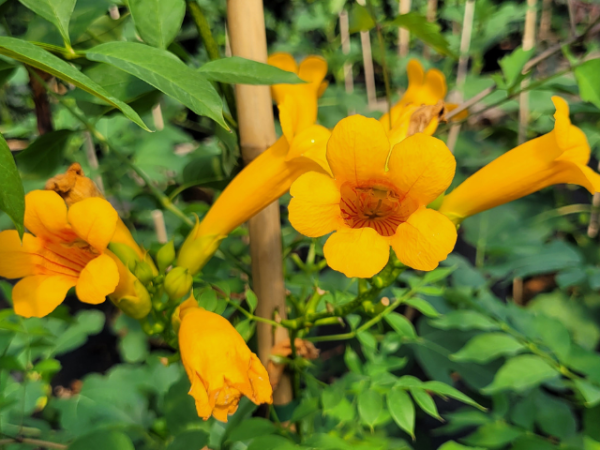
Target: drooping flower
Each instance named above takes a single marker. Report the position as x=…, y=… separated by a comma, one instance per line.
x=67, y=249
x=376, y=198
x=560, y=156
x=219, y=364
x=301, y=149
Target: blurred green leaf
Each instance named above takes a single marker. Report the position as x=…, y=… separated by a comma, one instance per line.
x=86, y=322
x=370, y=405
x=589, y=392
x=493, y=435
x=44, y=156
x=428, y=32
x=12, y=196
x=165, y=72
x=251, y=299
x=352, y=360
x=236, y=70
x=520, y=373
x=271, y=443
x=451, y=445
x=187, y=440
x=425, y=402
x=157, y=21
x=57, y=12
x=251, y=428
x=513, y=63
x=464, y=320
x=41, y=59
x=103, y=440
x=423, y=306
x=587, y=79
x=402, y=410
x=208, y=299
x=487, y=347
x=401, y=325
x=437, y=387
x=360, y=19
x=438, y=274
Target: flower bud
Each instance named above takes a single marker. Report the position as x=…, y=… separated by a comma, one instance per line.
x=126, y=254
x=130, y=295
x=165, y=256
x=143, y=272
x=178, y=283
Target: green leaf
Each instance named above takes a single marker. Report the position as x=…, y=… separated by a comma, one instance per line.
x=423, y=306
x=188, y=440
x=493, y=435
x=251, y=299
x=157, y=21
x=31, y=55
x=438, y=274
x=271, y=442
x=512, y=65
x=487, y=347
x=442, y=389
x=251, y=428
x=208, y=299
x=425, y=402
x=464, y=320
x=57, y=12
x=165, y=72
x=360, y=19
x=587, y=79
x=370, y=405
x=12, y=196
x=428, y=32
x=44, y=155
x=520, y=373
x=589, y=392
x=401, y=325
x=352, y=360
x=451, y=445
x=87, y=322
x=102, y=440
x=402, y=410
x=238, y=70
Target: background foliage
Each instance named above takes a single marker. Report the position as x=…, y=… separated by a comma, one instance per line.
x=496, y=349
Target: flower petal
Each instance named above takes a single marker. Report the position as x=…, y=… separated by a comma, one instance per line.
x=97, y=280
x=46, y=216
x=359, y=252
x=315, y=206
x=283, y=61
x=357, y=149
x=94, y=220
x=263, y=393
x=425, y=239
x=421, y=167
x=313, y=69
x=311, y=143
x=39, y=295
x=198, y=391
x=18, y=260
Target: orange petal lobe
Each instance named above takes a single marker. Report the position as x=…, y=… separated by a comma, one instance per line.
x=98, y=279
x=39, y=295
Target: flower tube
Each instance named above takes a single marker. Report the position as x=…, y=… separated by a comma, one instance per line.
x=560, y=156
x=270, y=175
x=67, y=248
x=376, y=198
x=219, y=364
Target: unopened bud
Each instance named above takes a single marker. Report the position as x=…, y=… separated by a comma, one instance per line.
x=178, y=283
x=165, y=256
x=143, y=272
x=137, y=306
x=126, y=254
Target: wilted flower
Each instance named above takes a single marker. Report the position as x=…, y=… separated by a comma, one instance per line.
x=219, y=364
x=67, y=249
x=560, y=156
x=377, y=198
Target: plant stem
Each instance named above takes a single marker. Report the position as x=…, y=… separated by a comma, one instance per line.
x=213, y=52
x=252, y=316
x=160, y=196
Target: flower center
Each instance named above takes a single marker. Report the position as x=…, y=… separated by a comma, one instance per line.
x=376, y=206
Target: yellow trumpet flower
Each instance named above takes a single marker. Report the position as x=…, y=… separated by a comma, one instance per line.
x=560, y=156
x=219, y=364
x=376, y=198
x=67, y=249
x=270, y=175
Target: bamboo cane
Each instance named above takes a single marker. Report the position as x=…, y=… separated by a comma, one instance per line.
x=365, y=42
x=432, y=6
x=528, y=43
x=247, y=36
x=403, y=34
x=461, y=76
x=345, y=39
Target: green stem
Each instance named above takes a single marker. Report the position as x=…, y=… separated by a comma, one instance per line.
x=160, y=196
x=250, y=315
x=213, y=52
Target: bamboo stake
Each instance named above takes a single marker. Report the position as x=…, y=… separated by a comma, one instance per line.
x=247, y=36
x=160, y=227
x=528, y=44
x=403, y=34
x=461, y=76
x=365, y=42
x=431, y=15
x=345, y=38
x=545, y=21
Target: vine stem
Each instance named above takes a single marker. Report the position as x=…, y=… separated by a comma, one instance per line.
x=35, y=442
x=162, y=198
x=251, y=316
